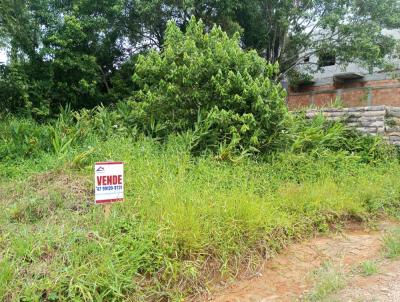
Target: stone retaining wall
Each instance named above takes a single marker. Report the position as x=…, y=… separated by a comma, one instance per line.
x=373, y=120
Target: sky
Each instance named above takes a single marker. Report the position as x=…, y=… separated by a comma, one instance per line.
x=2, y=56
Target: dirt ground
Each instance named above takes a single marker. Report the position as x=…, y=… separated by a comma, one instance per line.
x=383, y=287
x=290, y=276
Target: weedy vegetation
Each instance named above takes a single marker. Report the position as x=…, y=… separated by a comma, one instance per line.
x=185, y=217
x=211, y=188
x=329, y=279
x=391, y=243
x=369, y=268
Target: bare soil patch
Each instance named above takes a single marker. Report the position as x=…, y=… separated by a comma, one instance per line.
x=383, y=286
x=288, y=276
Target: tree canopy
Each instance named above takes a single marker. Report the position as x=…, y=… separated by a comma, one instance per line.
x=84, y=52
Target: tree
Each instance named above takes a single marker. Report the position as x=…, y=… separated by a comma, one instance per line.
x=73, y=51
x=205, y=82
x=66, y=52
x=289, y=31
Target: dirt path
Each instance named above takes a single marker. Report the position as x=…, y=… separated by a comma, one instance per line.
x=291, y=275
x=383, y=287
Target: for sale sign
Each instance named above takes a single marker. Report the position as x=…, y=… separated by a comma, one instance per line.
x=109, y=182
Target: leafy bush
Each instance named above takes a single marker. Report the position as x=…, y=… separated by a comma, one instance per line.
x=207, y=83
x=317, y=135
x=23, y=138
x=77, y=129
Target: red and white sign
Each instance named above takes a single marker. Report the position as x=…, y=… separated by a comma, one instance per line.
x=109, y=182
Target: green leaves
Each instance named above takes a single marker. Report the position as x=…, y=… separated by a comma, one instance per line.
x=81, y=52
x=63, y=52
x=204, y=81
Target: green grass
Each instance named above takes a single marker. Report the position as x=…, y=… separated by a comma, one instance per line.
x=368, y=268
x=392, y=244
x=184, y=220
x=329, y=280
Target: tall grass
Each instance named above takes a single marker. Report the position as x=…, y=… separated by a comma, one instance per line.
x=186, y=218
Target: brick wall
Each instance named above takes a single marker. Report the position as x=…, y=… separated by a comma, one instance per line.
x=352, y=94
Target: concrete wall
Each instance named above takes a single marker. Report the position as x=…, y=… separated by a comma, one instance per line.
x=373, y=120
x=330, y=71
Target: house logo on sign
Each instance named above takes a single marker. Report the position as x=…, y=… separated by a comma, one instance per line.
x=100, y=169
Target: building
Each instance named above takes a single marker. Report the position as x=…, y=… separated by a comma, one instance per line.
x=353, y=86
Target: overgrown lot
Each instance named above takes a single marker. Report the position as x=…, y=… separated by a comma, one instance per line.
x=185, y=221
x=218, y=177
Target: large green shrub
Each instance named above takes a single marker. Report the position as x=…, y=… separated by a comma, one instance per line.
x=207, y=82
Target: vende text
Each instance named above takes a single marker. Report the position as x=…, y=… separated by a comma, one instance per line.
x=109, y=180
